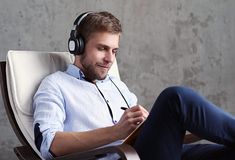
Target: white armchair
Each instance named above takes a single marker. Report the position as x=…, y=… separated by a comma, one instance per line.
x=20, y=77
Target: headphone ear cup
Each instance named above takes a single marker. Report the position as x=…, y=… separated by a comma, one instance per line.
x=72, y=45
x=80, y=45
x=76, y=45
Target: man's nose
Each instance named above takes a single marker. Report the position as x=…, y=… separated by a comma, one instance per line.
x=109, y=56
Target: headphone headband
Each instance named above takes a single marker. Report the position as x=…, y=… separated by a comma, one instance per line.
x=80, y=18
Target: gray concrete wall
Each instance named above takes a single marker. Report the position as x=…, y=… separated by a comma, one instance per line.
x=165, y=42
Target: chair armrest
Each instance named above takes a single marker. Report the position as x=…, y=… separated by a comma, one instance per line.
x=26, y=153
x=125, y=151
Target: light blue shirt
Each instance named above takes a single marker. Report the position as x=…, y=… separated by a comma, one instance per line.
x=65, y=101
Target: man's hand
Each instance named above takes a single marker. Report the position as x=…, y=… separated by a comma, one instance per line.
x=131, y=118
x=69, y=142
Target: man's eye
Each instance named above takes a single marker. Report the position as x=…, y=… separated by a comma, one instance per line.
x=115, y=51
x=101, y=48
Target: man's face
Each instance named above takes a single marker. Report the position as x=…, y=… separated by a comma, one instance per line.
x=99, y=55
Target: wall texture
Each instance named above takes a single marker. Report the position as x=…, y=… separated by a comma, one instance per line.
x=165, y=42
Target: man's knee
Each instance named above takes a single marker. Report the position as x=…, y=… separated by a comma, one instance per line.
x=169, y=98
x=172, y=98
x=173, y=91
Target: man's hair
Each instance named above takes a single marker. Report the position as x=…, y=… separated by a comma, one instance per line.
x=99, y=22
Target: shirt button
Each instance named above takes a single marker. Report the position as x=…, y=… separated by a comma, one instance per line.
x=107, y=101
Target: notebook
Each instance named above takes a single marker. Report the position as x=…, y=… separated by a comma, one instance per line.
x=131, y=138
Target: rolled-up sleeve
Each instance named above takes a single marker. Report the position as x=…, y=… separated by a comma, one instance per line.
x=49, y=115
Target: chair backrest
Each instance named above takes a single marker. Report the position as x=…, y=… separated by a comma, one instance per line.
x=24, y=72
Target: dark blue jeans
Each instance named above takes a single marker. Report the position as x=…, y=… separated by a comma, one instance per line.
x=176, y=110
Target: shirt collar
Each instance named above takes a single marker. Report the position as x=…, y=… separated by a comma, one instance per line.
x=77, y=73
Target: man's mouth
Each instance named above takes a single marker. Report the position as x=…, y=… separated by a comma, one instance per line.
x=104, y=66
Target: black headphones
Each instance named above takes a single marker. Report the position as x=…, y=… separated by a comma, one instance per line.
x=76, y=43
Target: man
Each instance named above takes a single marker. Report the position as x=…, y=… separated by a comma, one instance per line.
x=80, y=109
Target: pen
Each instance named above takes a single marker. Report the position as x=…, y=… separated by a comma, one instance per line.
x=123, y=108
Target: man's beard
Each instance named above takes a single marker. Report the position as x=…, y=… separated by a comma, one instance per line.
x=91, y=74
x=89, y=70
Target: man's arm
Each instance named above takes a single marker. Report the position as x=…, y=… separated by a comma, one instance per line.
x=70, y=142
